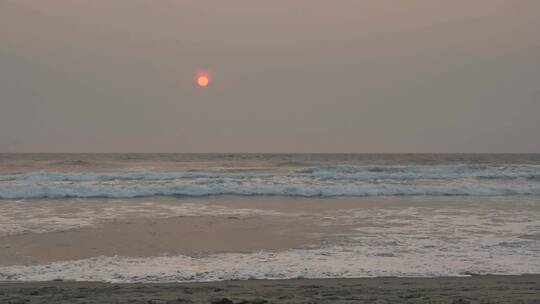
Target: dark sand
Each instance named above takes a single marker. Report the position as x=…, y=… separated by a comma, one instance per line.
x=476, y=289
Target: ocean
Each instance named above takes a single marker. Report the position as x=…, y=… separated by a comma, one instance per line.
x=332, y=215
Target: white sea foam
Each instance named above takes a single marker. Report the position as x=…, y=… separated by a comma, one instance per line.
x=18, y=217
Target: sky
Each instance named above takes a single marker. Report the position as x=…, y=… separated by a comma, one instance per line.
x=293, y=76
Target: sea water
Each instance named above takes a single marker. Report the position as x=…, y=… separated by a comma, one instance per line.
x=439, y=214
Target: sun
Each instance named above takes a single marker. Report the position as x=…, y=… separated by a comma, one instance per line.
x=203, y=81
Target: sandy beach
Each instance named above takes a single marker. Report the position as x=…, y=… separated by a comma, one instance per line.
x=476, y=289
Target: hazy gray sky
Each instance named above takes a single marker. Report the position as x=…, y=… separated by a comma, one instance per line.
x=287, y=76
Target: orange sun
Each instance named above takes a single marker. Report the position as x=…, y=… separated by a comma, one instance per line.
x=203, y=81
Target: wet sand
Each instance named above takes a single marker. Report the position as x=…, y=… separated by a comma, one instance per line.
x=154, y=237
x=476, y=289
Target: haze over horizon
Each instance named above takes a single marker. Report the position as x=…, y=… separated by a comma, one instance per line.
x=286, y=76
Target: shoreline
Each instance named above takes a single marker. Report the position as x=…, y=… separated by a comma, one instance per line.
x=268, y=238
x=473, y=289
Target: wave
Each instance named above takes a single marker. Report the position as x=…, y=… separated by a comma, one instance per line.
x=334, y=171
x=86, y=176
x=425, y=172
x=322, y=181
x=255, y=190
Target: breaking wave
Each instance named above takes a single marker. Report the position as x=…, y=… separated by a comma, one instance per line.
x=322, y=181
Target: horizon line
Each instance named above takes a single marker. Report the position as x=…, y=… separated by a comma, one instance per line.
x=270, y=153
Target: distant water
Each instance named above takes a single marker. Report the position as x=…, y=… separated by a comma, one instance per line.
x=35, y=176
